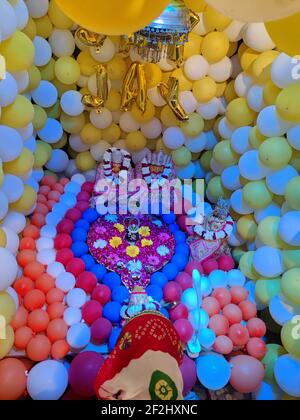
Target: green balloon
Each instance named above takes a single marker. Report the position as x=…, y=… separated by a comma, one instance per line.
x=291, y=285
x=274, y=351
x=265, y=290
x=290, y=336
x=257, y=195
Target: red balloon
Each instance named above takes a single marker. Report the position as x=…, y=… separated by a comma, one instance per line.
x=20, y=318
x=211, y=306
x=184, y=329
x=101, y=330
x=219, y=324
x=65, y=226
x=75, y=266
x=226, y=263
x=247, y=374
x=38, y=348
x=73, y=214
x=91, y=311
x=233, y=314
x=82, y=206
x=239, y=335
x=194, y=265
x=38, y=320
x=223, y=345
x=222, y=295
x=102, y=294
x=35, y=299
x=248, y=309
x=184, y=280
x=48, y=180
x=63, y=240
x=257, y=328
x=181, y=221
x=83, y=196
x=88, y=187
x=257, y=348
x=86, y=281
x=238, y=294
x=64, y=256
x=57, y=330
x=172, y=292
x=179, y=312
x=209, y=266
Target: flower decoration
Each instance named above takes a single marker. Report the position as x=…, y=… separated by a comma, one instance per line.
x=163, y=250
x=132, y=251
x=134, y=266
x=112, y=218
x=115, y=242
x=146, y=242
x=158, y=223
x=163, y=236
x=162, y=387
x=100, y=244
x=119, y=227
x=144, y=231
x=153, y=260
x=100, y=230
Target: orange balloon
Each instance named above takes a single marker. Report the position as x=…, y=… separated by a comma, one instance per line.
x=20, y=318
x=25, y=257
x=23, y=286
x=27, y=243
x=60, y=349
x=48, y=180
x=38, y=219
x=22, y=337
x=34, y=270
x=57, y=330
x=31, y=232
x=59, y=187
x=35, y=299
x=38, y=320
x=56, y=310
x=55, y=295
x=64, y=181
x=54, y=195
x=38, y=348
x=45, y=283
x=41, y=209
x=50, y=204
x=41, y=199
x=12, y=379
x=44, y=190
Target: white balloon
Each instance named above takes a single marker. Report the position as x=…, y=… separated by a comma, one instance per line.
x=155, y=97
x=240, y=140
x=242, y=84
x=282, y=311
x=15, y=221
x=58, y=162
x=8, y=90
x=255, y=98
x=79, y=336
x=98, y=150
x=103, y=120
x=221, y=71
x=251, y=167
x=9, y=269
x=152, y=129
x=173, y=138
x=277, y=181
x=13, y=187
x=238, y=204
x=44, y=243
x=225, y=128
x=289, y=228
x=270, y=124
x=65, y=282
x=77, y=144
x=55, y=269
x=257, y=37
x=212, y=140
x=9, y=136
x=71, y=103
x=21, y=13
x=62, y=42
x=76, y=298
x=235, y=239
x=8, y=20
x=231, y=178
x=45, y=95
x=37, y=8
x=46, y=256
x=216, y=167
x=196, y=67
x=188, y=101
x=196, y=144
x=3, y=205
x=234, y=31
x=72, y=316
x=293, y=136
x=128, y=123
x=79, y=179
x=285, y=71
x=106, y=53
x=26, y=132
x=43, y=51
x=272, y=210
x=12, y=240
x=14, y=295
x=209, y=110
x=268, y=262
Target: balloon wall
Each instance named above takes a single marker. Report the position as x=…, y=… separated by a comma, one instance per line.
x=240, y=86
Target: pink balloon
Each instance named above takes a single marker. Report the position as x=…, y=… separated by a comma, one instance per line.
x=223, y=345
x=247, y=374
x=248, y=309
x=194, y=265
x=91, y=311
x=226, y=263
x=257, y=348
x=181, y=220
x=257, y=328
x=179, y=312
x=172, y=292
x=101, y=330
x=184, y=329
x=88, y=187
x=185, y=281
x=238, y=294
x=211, y=306
x=219, y=324
x=83, y=196
x=209, y=266
x=233, y=314
x=239, y=335
x=223, y=296
x=189, y=374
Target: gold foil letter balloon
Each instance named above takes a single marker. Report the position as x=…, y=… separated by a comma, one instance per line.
x=256, y=10
x=113, y=17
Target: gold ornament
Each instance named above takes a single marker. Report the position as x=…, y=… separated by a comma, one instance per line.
x=130, y=93
x=97, y=102
x=170, y=92
x=91, y=39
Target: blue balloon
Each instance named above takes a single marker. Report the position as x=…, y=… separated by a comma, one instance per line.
x=120, y=294
x=47, y=381
x=73, y=188
x=207, y=338
x=170, y=271
x=213, y=371
x=155, y=292
x=79, y=336
x=165, y=312
x=88, y=260
x=112, y=280
x=159, y=279
x=173, y=227
x=179, y=237
x=53, y=218
x=268, y=392
x=113, y=339
x=79, y=235
x=69, y=200
x=79, y=249
x=111, y=311
x=287, y=375
x=60, y=208
x=182, y=249
x=99, y=271
x=169, y=218
x=84, y=224
x=90, y=215
x=180, y=260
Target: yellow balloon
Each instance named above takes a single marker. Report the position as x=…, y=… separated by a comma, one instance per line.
x=116, y=68
x=47, y=71
x=59, y=19
x=290, y=339
x=295, y=161
x=268, y=233
x=205, y=160
x=257, y=195
x=285, y=34
x=215, y=46
x=85, y=161
x=193, y=46
x=18, y=51
x=112, y=133
x=7, y=344
x=61, y=143
x=194, y=126
x=3, y=240
x=44, y=26
x=34, y=78
x=30, y=29
x=168, y=117
x=87, y=63
x=184, y=82
x=271, y=93
x=256, y=138
x=239, y=114
x=247, y=267
x=42, y=154
x=288, y=103
x=67, y=70
x=22, y=165
x=205, y=89
x=237, y=254
x=19, y=114
x=214, y=20
x=275, y=153
x=261, y=67
x=114, y=17
x=274, y=351
x=153, y=75
x=26, y=202
x=136, y=141
x=248, y=56
x=230, y=93
x=247, y=228
x=160, y=145
x=143, y=117
x=181, y=156
x=40, y=117
x=90, y=134
x=196, y=5
x=266, y=289
x=290, y=285
x=224, y=154
x=7, y=307
x=216, y=190
x=54, y=111
x=72, y=125
x=113, y=102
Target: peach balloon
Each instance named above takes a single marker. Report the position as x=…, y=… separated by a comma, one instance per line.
x=57, y=330
x=38, y=320
x=22, y=337
x=38, y=348
x=35, y=299
x=60, y=349
x=247, y=374
x=20, y=318
x=12, y=379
